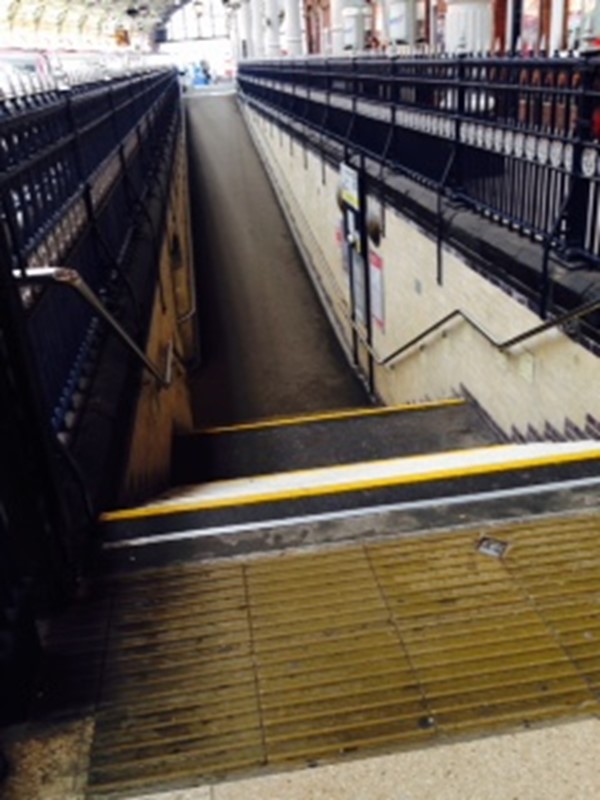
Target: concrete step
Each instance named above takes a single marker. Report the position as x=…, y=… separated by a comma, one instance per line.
x=308, y=507
x=299, y=443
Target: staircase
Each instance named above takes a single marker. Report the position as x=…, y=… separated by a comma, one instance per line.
x=459, y=602
x=327, y=440
x=293, y=481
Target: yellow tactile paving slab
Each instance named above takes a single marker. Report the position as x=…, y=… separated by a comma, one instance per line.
x=300, y=658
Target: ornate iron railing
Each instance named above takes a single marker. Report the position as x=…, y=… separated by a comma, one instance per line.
x=76, y=168
x=514, y=138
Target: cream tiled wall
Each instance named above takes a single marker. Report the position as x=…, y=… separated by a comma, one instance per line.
x=308, y=189
x=550, y=378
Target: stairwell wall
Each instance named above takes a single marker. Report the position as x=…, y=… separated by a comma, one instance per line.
x=545, y=388
x=162, y=411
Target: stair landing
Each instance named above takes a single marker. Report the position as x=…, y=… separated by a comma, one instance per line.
x=215, y=671
x=328, y=439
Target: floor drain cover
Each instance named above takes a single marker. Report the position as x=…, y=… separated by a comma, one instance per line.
x=492, y=547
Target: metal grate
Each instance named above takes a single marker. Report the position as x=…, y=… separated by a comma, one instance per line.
x=217, y=670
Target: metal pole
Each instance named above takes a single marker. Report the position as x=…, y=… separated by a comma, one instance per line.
x=72, y=279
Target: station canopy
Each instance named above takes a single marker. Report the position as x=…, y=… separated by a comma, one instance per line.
x=81, y=24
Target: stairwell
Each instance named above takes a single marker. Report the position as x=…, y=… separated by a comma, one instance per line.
x=236, y=488
x=356, y=582
x=315, y=588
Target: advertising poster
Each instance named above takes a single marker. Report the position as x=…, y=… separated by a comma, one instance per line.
x=358, y=284
x=341, y=243
x=377, y=290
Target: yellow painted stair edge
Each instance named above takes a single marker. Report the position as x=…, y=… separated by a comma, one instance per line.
x=329, y=416
x=360, y=477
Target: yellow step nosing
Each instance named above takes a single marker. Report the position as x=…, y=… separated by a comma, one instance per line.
x=355, y=485
x=328, y=416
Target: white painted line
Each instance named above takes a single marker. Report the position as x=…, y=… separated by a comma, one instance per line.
x=332, y=516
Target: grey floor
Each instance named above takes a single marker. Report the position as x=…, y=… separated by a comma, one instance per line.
x=268, y=349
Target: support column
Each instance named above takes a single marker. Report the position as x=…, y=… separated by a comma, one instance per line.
x=293, y=29
x=233, y=23
x=336, y=8
x=245, y=30
x=403, y=21
x=272, y=29
x=258, y=45
x=590, y=29
x=468, y=26
x=385, y=23
x=557, y=24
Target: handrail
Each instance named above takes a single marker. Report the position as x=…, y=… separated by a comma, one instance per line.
x=501, y=345
x=65, y=276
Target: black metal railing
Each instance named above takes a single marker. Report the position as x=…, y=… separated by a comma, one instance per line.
x=76, y=168
x=84, y=184
x=514, y=138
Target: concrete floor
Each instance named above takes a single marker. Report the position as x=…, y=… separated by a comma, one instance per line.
x=268, y=349
x=549, y=633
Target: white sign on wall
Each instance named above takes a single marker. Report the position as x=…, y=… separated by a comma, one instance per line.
x=349, y=181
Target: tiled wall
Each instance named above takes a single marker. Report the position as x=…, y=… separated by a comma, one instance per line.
x=161, y=411
x=546, y=387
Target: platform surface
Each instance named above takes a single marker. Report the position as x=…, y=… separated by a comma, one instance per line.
x=249, y=667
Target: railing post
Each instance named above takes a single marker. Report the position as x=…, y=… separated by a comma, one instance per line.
x=456, y=177
x=576, y=212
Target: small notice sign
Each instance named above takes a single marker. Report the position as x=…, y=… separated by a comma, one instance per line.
x=377, y=290
x=349, y=181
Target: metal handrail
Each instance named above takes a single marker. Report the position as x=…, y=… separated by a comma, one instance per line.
x=501, y=345
x=65, y=276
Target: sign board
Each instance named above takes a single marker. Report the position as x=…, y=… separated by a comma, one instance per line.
x=349, y=181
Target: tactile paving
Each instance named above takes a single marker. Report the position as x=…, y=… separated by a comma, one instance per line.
x=212, y=671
